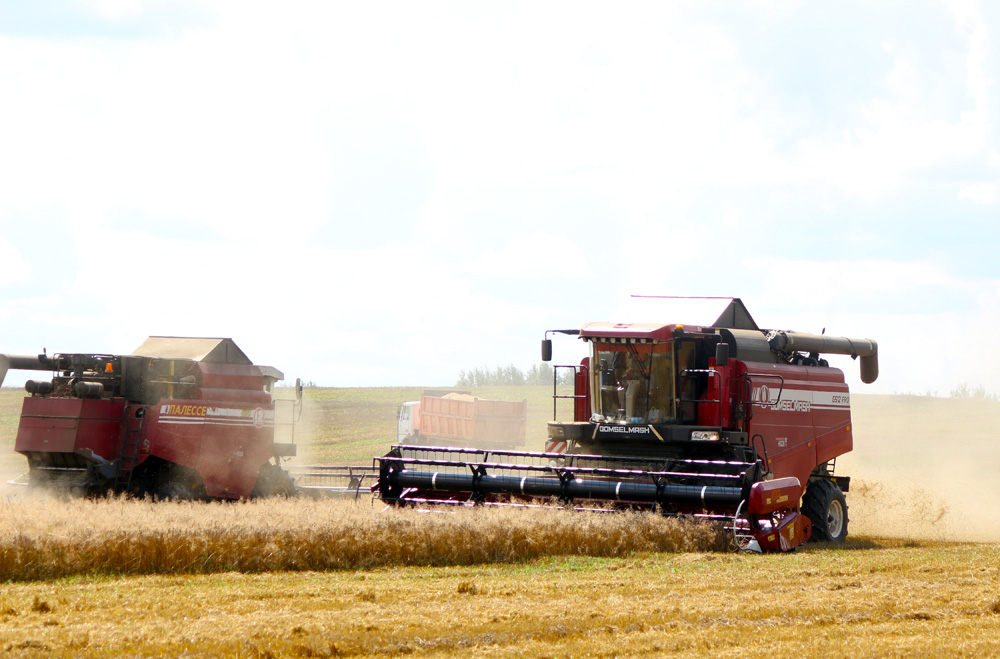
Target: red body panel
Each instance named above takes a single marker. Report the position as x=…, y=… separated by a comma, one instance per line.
x=791, y=531
x=773, y=508
x=225, y=442
x=716, y=409
x=230, y=376
x=768, y=497
x=801, y=415
x=66, y=425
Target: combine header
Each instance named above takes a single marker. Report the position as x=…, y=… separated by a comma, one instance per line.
x=185, y=418
x=712, y=418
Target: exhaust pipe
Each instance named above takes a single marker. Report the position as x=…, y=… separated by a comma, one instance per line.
x=866, y=349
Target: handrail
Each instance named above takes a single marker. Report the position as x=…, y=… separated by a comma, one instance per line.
x=555, y=384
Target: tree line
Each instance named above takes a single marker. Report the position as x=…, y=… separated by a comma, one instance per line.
x=511, y=375
x=972, y=393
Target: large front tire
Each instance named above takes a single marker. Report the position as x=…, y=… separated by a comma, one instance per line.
x=825, y=506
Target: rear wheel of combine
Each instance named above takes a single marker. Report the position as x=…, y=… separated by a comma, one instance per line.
x=825, y=506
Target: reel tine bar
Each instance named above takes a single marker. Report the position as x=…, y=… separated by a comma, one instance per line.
x=477, y=476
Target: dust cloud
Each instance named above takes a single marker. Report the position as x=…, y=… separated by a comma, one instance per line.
x=924, y=468
x=288, y=423
x=13, y=466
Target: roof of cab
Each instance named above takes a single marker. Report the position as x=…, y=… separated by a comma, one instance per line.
x=656, y=316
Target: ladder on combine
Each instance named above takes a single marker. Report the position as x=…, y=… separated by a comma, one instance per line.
x=129, y=453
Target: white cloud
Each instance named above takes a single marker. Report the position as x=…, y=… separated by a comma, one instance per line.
x=925, y=317
x=987, y=194
x=892, y=139
x=229, y=129
x=200, y=128
x=334, y=316
x=530, y=256
x=14, y=268
x=115, y=10
x=635, y=150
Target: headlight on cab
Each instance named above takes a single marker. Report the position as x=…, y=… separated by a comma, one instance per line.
x=704, y=435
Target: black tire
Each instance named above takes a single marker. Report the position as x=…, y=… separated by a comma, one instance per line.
x=273, y=481
x=174, y=482
x=825, y=506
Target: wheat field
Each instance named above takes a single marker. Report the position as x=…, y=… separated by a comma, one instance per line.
x=871, y=598
x=50, y=539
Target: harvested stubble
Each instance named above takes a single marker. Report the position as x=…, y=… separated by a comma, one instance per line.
x=872, y=598
x=48, y=539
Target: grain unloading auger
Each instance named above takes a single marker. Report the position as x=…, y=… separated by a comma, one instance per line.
x=717, y=420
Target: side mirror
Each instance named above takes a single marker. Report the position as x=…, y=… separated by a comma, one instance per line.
x=721, y=354
x=546, y=350
x=298, y=389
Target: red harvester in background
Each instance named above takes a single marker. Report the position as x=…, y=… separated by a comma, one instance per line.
x=188, y=418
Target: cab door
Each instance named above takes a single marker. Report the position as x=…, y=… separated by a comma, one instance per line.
x=407, y=425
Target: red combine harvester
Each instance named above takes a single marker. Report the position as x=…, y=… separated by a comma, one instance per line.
x=716, y=419
x=184, y=418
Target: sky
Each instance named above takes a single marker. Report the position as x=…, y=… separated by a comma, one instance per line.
x=386, y=193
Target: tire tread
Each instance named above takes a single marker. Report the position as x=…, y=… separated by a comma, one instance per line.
x=816, y=503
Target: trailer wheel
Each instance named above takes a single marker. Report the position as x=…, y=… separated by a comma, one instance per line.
x=825, y=506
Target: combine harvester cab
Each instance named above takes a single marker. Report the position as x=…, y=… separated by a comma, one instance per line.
x=715, y=419
x=185, y=418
